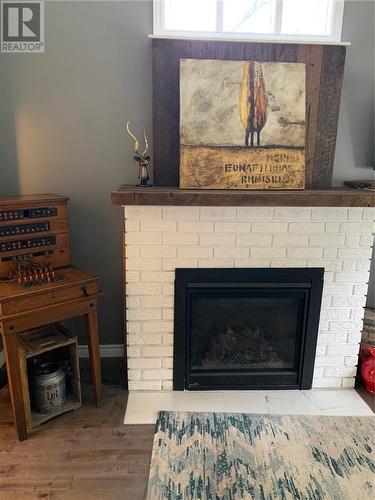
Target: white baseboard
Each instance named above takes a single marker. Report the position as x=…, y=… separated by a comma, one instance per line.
x=2, y=358
x=106, y=351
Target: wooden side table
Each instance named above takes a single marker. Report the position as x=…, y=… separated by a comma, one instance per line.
x=76, y=295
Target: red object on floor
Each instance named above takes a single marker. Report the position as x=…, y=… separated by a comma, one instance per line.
x=367, y=354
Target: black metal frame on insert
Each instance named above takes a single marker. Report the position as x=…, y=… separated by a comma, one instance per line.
x=308, y=282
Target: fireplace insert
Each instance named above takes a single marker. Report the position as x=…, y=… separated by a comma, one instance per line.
x=246, y=328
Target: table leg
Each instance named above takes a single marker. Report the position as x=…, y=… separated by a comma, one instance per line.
x=10, y=345
x=91, y=321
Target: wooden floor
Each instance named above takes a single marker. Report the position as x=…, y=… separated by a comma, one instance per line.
x=84, y=454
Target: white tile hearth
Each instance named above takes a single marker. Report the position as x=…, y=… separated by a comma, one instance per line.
x=142, y=407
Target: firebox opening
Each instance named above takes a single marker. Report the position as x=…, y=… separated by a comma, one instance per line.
x=246, y=328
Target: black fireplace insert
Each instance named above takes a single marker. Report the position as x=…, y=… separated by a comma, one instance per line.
x=246, y=328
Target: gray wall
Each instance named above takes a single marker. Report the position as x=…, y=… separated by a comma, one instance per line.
x=2, y=174
x=355, y=151
x=355, y=139
x=63, y=114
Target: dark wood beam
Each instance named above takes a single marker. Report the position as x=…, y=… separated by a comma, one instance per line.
x=333, y=197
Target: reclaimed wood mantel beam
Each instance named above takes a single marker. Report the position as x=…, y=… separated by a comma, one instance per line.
x=332, y=197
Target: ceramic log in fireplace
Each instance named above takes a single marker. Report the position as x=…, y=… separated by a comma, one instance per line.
x=246, y=328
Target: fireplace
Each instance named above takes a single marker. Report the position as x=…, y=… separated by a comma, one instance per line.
x=246, y=328
x=232, y=230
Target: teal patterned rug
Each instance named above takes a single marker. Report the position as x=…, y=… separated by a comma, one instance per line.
x=230, y=456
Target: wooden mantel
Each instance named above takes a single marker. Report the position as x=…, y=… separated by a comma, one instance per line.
x=333, y=197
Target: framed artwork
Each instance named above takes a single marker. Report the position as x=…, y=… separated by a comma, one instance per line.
x=242, y=124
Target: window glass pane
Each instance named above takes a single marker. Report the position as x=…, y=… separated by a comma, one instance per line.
x=248, y=16
x=190, y=15
x=307, y=17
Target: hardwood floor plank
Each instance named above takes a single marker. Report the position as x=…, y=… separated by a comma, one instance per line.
x=4, y=470
x=126, y=494
x=6, y=445
x=34, y=484
x=20, y=458
x=84, y=470
x=129, y=443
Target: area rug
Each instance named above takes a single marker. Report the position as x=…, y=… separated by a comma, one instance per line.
x=230, y=456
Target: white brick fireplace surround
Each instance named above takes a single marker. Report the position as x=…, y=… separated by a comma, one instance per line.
x=159, y=239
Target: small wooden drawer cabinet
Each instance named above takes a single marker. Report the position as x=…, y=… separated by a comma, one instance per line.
x=49, y=344
x=40, y=287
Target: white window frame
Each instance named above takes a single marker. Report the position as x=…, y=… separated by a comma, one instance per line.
x=159, y=30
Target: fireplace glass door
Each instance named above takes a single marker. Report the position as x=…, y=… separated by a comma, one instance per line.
x=247, y=330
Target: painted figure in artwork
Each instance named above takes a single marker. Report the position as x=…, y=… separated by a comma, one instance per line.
x=252, y=105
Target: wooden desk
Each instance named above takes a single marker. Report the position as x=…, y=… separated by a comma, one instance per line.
x=22, y=309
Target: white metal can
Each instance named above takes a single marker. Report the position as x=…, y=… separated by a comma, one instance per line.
x=49, y=388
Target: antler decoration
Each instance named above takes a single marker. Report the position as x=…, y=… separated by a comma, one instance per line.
x=146, y=141
x=140, y=158
x=136, y=144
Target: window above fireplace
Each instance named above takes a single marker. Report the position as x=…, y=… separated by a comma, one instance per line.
x=293, y=20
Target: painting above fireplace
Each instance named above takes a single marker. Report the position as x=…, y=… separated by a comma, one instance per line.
x=261, y=142
x=246, y=328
